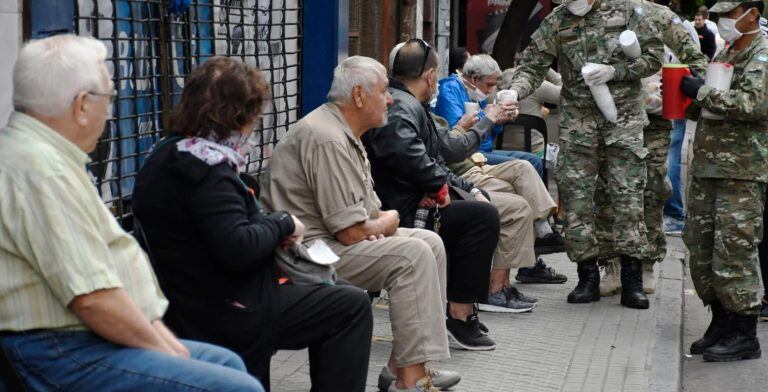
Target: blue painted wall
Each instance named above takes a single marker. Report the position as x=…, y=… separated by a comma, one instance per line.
x=325, y=44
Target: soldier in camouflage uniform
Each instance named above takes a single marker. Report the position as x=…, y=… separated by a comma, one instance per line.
x=724, y=223
x=656, y=138
x=576, y=33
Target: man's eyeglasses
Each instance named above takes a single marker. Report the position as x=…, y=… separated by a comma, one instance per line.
x=111, y=95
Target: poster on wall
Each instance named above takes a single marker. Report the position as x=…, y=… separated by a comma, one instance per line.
x=484, y=19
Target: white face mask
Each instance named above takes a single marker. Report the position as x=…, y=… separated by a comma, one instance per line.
x=579, y=7
x=727, y=28
x=476, y=95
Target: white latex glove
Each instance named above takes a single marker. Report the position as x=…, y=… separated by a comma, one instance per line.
x=602, y=74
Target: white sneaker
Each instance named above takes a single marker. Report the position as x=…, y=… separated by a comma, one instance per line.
x=610, y=284
x=649, y=279
x=423, y=385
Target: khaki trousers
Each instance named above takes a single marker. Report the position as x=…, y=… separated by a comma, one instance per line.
x=520, y=197
x=411, y=266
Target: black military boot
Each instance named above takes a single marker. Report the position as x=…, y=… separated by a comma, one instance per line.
x=717, y=328
x=739, y=343
x=632, y=295
x=588, y=288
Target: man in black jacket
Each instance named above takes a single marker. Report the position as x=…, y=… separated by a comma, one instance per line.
x=409, y=175
x=706, y=36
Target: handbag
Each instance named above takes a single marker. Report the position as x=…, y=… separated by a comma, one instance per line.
x=308, y=266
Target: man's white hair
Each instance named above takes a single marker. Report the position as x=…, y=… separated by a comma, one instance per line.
x=392, y=54
x=480, y=66
x=355, y=71
x=50, y=72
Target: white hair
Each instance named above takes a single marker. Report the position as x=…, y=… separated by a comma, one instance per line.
x=50, y=72
x=392, y=55
x=355, y=71
x=480, y=66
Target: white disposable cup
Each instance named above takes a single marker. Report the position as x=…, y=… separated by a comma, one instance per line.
x=471, y=107
x=719, y=76
x=630, y=45
x=506, y=96
x=602, y=96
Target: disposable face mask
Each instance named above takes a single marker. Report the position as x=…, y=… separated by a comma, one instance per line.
x=579, y=7
x=476, y=95
x=727, y=28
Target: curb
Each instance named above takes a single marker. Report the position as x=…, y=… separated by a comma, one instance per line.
x=666, y=354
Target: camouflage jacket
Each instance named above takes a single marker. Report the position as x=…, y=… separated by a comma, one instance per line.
x=736, y=147
x=575, y=40
x=675, y=37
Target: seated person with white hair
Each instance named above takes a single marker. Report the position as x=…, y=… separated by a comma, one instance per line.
x=80, y=308
x=320, y=173
x=476, y=83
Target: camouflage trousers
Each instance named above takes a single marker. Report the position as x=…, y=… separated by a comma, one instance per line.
x=723, y=228
x=620, y=161
x=657, y=190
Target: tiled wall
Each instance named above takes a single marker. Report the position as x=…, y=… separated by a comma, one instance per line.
x=10, y=38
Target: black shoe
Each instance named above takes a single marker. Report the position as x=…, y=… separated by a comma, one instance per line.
x=740, y=342
x=632, y=294
x=588, y=288
x=764, y=311
x=539, y=273
x=718, y=328
x=468, y=335
x=550, y=243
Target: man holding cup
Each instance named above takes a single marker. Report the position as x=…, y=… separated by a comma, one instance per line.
x=656, y=138
x=574, y=34
x=726, y=199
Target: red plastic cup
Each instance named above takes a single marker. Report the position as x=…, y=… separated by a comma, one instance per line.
x=673, y=101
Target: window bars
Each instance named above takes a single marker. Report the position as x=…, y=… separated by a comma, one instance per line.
x=149, y=54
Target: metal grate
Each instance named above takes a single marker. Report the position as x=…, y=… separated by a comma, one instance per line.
x=150, y=52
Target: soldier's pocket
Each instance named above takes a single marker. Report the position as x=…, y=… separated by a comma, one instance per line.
x=572, y=50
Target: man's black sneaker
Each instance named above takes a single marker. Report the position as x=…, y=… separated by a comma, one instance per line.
x=550, y=243
x=468, y=335
x=539, y=273
x=764, y=311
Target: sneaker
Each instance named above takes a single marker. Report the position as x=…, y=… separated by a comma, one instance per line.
x=610, y=284
x=673, y=226
x=513, y=292
x=764, y=311
x=539, y=273
x=441, y=379
x=467, y=334
x=504, y=301
x=649, y=279
x=423, y=385
x=550, y=243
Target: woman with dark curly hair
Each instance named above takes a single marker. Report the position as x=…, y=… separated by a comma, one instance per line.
x=213, y=245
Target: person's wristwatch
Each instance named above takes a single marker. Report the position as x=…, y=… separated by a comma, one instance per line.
x=474, y=192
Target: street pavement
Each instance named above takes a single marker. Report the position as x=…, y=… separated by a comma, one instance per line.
x=600, y=346
x=698, y=375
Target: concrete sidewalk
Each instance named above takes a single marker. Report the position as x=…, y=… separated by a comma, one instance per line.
x=558, y=347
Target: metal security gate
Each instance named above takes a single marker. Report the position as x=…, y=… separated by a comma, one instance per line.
x=151, y=51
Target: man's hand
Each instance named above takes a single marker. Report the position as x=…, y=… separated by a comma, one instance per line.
x=427, y=202
x=392, y=221
x=467, y=121
x=600, y=75
x=501, y=112
x=297, y=237
x=445, y=202
x=691, y=85
x=178, y=348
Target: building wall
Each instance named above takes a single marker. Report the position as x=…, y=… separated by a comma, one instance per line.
x=10, y=40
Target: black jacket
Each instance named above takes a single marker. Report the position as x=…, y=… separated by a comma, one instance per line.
x=405, y=156
x=707, y=41
x=212, y=250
